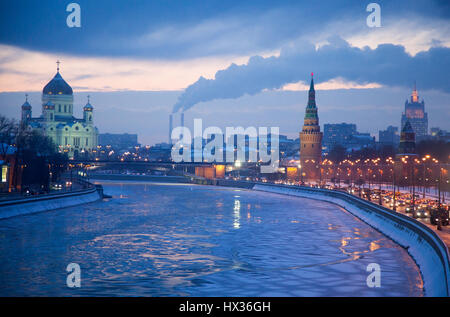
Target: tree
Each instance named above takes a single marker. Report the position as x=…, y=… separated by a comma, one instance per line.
x=8, y=132
x=439, y=149
x=38, y=155
x=337, y=154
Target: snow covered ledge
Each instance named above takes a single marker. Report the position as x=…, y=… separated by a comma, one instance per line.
x=424, y=246
x=31, y=205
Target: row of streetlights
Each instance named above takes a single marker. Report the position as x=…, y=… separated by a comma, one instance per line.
x=403, y=170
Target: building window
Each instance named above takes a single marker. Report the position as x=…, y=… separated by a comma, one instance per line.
x=87, y=141
x=90, y=118
x=76, y=142
x=51, y=116
x=59, y=108
x=4, y=173
x=65, y=140
x=65, y=108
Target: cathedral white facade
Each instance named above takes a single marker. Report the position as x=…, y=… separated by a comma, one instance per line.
x=74, y=136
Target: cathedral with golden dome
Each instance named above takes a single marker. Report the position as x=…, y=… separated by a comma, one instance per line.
x=74, y=136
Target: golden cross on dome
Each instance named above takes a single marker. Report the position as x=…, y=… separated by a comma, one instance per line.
x=57, y=63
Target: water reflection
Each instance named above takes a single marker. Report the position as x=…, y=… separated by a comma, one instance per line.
x=237, y=214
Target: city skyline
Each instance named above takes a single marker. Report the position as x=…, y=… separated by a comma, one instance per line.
x=337, y=106
x=239, y=152
x=230, y=56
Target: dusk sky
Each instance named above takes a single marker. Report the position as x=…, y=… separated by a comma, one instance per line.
x=229, y=62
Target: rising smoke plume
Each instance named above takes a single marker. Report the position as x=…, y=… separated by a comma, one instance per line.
x=387, y=64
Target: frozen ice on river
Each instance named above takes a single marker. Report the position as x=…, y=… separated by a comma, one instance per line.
x=155, y=239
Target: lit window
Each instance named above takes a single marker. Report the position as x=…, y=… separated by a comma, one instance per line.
x=4, y=173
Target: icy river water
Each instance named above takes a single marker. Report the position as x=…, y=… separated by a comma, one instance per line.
x=154, y=239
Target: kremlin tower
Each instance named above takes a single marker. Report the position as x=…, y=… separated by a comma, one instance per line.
x=407, y=146
x=311, y=139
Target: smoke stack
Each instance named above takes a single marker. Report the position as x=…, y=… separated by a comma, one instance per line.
x=170, y=128
x=182, y=119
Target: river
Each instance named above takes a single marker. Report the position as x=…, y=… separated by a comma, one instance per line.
x=153, y=239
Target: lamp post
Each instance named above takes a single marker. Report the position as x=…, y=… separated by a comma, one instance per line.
x=413, y=187
x=381, y=180
x=301, y=176
x=423, y=177
x=393, y=184
x=439, y=188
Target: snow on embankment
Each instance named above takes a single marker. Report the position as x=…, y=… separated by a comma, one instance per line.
x=48, y=202
x=424, y=246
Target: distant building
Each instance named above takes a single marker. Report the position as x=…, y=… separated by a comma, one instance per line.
x=160, y=152
x=118, y=141
x=347, y=136
x=416, y=115
x=311, y=139
x=389, y=137
x=439, y=134
x=360, y=141
x=435, y=131
x=288, y=147
x=71, y=135
x=337, y=134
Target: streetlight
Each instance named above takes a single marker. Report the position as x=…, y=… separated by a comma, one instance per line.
x=413, y=187
x=393, y=185
x=301, y=175
x=381, y=180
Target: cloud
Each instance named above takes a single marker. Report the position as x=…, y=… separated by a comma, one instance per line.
x=195, y=28
x=24, y=70
x=387, y=64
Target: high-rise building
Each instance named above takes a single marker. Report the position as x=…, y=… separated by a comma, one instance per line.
x=337, y=134
x=311, y=139
x=416, y=115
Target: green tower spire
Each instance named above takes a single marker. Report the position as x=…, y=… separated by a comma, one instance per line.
x=311, y=108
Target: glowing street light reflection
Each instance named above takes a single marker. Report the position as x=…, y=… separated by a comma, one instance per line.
x=237, y=214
